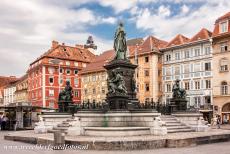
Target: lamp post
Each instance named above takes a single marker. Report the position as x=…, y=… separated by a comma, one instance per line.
x=57, y=62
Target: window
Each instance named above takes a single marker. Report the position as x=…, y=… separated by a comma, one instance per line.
x=94, y=78
x=51, y=70
x=207, y=50
x=61, y=70
x=186, y=85
x=75, y=72
x=177, y=55
x=186, y=69
x=51, y=104
x=146, y=72
x=197, y=52
x=103, y=77
x=94, y=91
x=85, y=91
x=223, y=47
x=51, y=80
x=83, y=65
x=76, y=94
x=186, y=54
x=197, y=67
x=197, y=101
x=207, y=100
x=51, y=92
x=168, y=87
x=168, y=57
x=146, y=59
x=60, y=80
x=177, y=70
x=68, y=79
x=75, y=63
x=224, y=88
x=168, y=71
x=208, y=84
x=103, y=90
x=76, y=81
x=68, y=71
x=197, y=85
x=207, y=66
x=224, y=65
x=67, y=63
x=147, y=87
x=223, y=27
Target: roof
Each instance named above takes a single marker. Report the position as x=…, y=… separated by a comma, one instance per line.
x=224, y=17
x=4, y=80
x=136, y=41
x=99, y=62
x=201, y=35
x=217, y=27
x=178, y=40
x=148, y=45
x=62, y=51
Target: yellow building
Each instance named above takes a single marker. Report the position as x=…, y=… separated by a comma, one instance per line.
x=148, y=73
x=221, y=59
x=21, y=93
x=94, y=78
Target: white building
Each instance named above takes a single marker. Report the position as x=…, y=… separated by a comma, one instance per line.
x=9, y=94
x=190, y=61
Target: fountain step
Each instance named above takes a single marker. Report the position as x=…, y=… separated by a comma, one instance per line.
x=177, y=127
x=116, y=131
x=180, y=130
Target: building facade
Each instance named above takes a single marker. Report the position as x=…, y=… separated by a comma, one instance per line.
x=221, y=61
x=189, y=60
x=94, y=78
x=48, y=74
x=9, y=93
x=148, y=73
x=21, y=93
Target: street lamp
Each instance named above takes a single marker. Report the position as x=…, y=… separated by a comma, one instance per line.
x=57, y=62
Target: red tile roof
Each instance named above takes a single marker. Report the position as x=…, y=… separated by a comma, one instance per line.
x=178, y=40
x=201, y=35
x=217, y=27
x=99, y=62
x=4, y=81
x=147, y=46
x=69, y=53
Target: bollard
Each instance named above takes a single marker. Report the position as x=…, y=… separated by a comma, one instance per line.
x=59, y=140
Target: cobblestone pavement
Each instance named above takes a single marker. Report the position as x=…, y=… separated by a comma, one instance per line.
x=224, y=148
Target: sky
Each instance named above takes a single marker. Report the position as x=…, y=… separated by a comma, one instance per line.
x=27, y=27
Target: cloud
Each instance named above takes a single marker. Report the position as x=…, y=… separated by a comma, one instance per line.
x=184, y=9
x=28, y=27
x=164, y=11
x=189, y=24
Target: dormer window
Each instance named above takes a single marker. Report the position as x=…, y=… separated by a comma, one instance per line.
x=224, y=27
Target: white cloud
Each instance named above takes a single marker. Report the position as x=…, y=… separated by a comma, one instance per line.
x=28, y=27
x=164, y=11
x=189, y=24
x=184, y=9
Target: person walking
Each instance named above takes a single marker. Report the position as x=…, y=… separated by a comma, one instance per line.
x=218, y=121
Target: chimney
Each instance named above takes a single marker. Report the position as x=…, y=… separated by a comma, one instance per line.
x=54, y=44
x=63, y=44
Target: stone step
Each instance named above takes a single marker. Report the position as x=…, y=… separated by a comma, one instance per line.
x=171, y=121
x=180, y=130
x=177, y=127
x=173, y=124
x=63, y=125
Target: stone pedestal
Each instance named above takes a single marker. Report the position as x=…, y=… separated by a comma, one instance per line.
x=126, y=69
x=178, y=105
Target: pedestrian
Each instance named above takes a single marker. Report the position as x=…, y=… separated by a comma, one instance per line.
x=3, y=123
x=218, y=121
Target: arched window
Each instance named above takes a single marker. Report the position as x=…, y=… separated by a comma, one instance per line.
x=224, y=88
